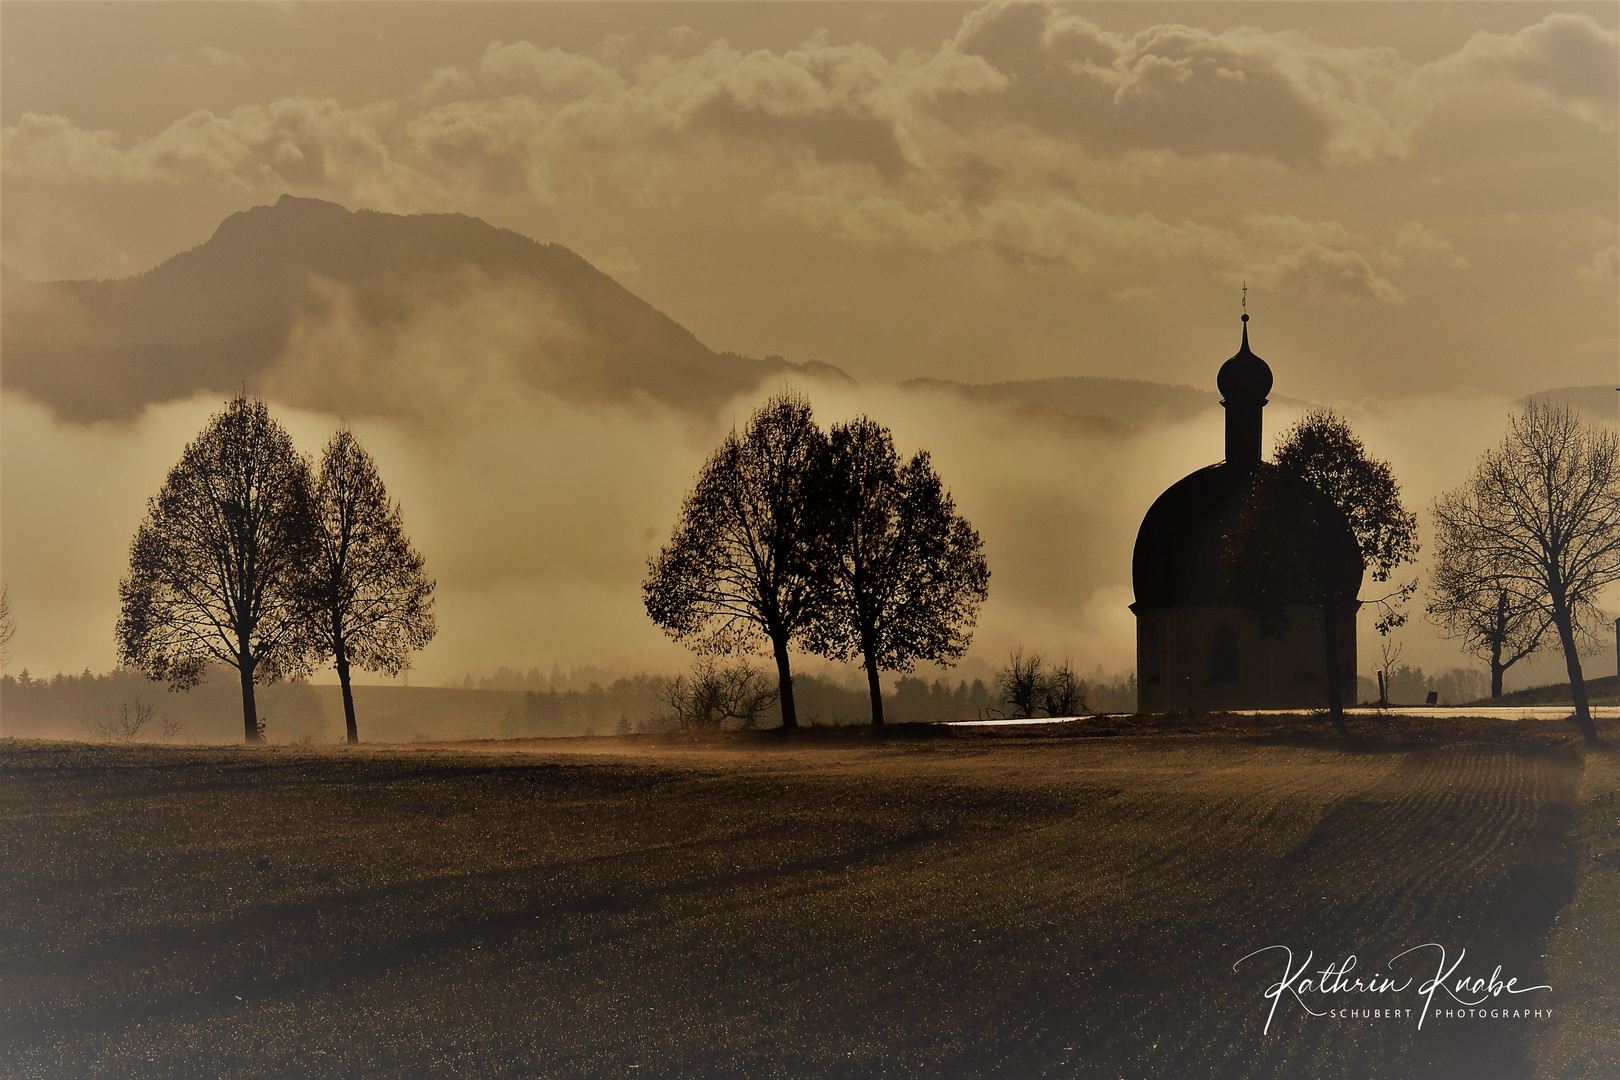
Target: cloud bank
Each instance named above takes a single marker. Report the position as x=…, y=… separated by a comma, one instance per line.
x=928, y=150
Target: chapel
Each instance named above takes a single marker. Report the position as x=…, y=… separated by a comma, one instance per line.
x=1195, y=648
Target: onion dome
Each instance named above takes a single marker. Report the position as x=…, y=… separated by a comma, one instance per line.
x=1245, y=377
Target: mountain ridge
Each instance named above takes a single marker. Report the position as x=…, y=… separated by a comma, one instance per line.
x=219, y=315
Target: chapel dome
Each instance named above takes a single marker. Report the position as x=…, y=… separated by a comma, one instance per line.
x=1180, y=554
x=1179, y=560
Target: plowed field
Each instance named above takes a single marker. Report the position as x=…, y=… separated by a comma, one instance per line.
x=968, y=906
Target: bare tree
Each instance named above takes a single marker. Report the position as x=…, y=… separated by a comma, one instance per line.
x=1389, y=653
x=1022, y=683
x=1542, y=512
x=1469, y=598
x=907, y=571
x=1065, y=692
x=747, y=557
x=214, y=567
x=715, y=693
x=370, y=603
x=8, y=626
x=1323, y=482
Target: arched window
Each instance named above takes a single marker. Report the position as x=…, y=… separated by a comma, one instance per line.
x=1223, y=653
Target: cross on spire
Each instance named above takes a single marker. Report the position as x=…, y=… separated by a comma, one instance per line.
x=1245, y=296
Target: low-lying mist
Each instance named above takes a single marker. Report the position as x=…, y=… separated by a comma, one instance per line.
x=537, y=496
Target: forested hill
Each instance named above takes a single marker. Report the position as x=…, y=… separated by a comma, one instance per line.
x=219, y=316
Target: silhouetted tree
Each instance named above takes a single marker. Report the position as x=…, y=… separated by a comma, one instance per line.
x=906, y=570
x=1542, y=512
x=1065, y=691
x=214, y=567
x=1323, y=478
x=369, y=601
x=8, y=627
x=747, y=558
x=715, y=693
x=1470, y=598
x=1022, y=683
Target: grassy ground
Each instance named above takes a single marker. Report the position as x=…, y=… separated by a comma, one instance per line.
x=1599, y=691
x=1064, y=904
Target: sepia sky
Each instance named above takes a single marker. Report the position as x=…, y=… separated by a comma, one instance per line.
x=1421, y=198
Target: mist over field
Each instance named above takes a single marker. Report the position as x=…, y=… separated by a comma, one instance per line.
x=537, y=511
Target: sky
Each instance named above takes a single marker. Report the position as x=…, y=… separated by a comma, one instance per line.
x=1420, y=198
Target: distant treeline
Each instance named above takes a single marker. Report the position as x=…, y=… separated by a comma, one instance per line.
x=1410, y=686
x=87, y=705
x=638, y=704
x=559, y=681
x=91, y=706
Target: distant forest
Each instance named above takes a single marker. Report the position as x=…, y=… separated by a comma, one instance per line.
x=507, y=704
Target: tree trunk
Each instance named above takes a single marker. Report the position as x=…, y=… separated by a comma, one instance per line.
x=875, y=685
x=1335, y=685
x=348, y=695
x=784, y=685
x=1572, y=661
x=1497, y=668
x=250, y=708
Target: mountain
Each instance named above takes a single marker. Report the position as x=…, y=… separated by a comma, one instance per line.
x=221, y=316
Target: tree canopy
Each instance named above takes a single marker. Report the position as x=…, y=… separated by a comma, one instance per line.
x=906, y=571
x=215, y=567
x=1322, y=482
x=746, y=560
x=369, y=600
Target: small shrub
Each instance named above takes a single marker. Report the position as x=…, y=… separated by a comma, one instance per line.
x=715, y=693
x=127, y=725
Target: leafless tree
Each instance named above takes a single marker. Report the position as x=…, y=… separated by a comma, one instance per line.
x=1469, y=599
x=214, y=567
x=1022, y=683
x=1389, y=654
x=715, y=693
x=369, y=601
x=747, y=557
x=1542, y=512
x=907, y=571
x=8, y=627
x=1065, y=692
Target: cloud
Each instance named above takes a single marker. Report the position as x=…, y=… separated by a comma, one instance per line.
x=509, y=120
x=1281, y=253
x=304, y=143
x=223, y=59
x=1603, y=266
x=1566, y=62
x=1277, y=95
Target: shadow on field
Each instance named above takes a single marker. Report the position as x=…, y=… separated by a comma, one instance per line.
x=834, y=904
